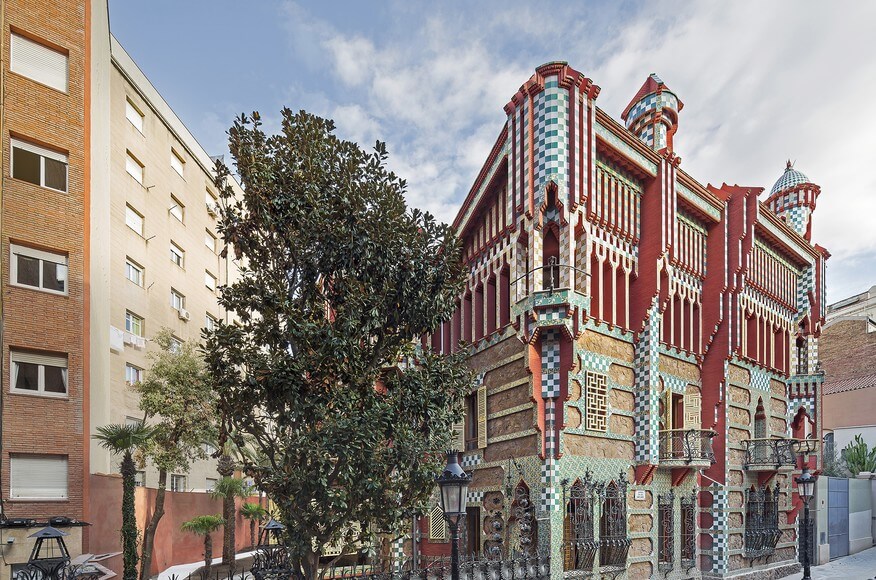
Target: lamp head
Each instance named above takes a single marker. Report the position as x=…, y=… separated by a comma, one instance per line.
x=453, y=483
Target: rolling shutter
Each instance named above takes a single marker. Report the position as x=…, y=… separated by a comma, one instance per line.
x=482, y=417
x=38, y=62
x=38, y=476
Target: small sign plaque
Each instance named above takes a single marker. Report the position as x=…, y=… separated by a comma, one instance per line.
x=639, y=495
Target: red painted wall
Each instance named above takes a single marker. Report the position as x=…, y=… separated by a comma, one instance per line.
x=172, y=546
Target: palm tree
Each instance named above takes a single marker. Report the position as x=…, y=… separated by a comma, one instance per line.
x=204, y=526
x=254, y=513
x=227, y=488
x=124, y=439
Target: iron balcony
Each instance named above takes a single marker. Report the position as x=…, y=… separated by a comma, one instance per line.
x=686, y=448
x=775, y=454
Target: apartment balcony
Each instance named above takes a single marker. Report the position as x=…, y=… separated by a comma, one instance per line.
x=776, y=454
x=686, y=448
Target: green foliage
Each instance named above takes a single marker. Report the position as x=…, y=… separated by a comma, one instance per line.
x=254, y=513
x=230, y=487
x=858, y=458
x=179, y=403
x=124, y=440
x=339, y=279
x=202, y=525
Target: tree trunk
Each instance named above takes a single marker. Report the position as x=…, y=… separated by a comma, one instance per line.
x=225, y=468
x=208, y=555
x=310, y=563
x=129, y=518
x=149, y=533
x=252, y=534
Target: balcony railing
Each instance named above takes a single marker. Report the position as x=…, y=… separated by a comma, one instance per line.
x=770, y=454
x=686, y=447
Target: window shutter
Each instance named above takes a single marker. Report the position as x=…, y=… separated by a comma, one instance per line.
x=693, y=404
x=458, y=442
x=39, y=359
x=482, y=417
x=666, y=416
x=35, y=476
x=437, y=525
x=38, y=62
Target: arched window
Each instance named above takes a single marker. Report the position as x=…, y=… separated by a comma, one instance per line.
x=579, y=545
x=551, y=260
x=614, y=542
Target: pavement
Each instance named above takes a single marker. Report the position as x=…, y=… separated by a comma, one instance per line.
x=860, y=566
x=181, y=571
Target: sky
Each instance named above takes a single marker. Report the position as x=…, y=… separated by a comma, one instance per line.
x=762, y=82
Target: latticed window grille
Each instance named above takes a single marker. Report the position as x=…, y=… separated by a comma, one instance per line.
x=597, y=407
x=688, y=531
x=579, y=544
x=666, y=531
x=614, y=541
x=761, y=521
x=437, y=525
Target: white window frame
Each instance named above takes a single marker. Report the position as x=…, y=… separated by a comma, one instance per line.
x=210, y=241
x=140, y=479
x=177, y=300
x=42, y=361
x=179, y=253
x=42, y=469
x=131, y=212
x=134, y=168
x=211, y=203
x=133, y=374
x=42, y=256
x=43, y=155
x=210, y=281
x=177, y=163
x=177, y=209
x=175, y=343
x=134, y=115
x=131, y=321
x=132, y=266
x=26, y=56
x=175, y=480
x=210, y=321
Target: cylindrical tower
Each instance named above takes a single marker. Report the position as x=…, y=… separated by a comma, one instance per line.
x=792, y=198
x=652, y=115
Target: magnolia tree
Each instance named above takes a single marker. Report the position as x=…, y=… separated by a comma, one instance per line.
x=322, y=374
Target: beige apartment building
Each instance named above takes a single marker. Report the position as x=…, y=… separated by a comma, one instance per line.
x=162, y=266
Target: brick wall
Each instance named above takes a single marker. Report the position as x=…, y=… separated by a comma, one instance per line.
x=847, y=350
x=54, y=221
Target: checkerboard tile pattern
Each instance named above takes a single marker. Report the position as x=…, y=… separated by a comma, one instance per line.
x=804, y=285
x=471, y=460
x=474, y=497
x=550, y=364
x=551, y=122
x=397, y=553
x=551, y=498
x=718, y=531
x=646, y=371
x=760, y=380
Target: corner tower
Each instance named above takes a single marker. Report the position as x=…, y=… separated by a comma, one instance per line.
x=652, y=115
x=792, y=198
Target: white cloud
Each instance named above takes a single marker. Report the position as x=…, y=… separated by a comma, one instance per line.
x=760, y=81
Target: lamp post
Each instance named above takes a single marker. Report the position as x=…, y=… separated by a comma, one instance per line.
x=453, y=483
x=805, y=489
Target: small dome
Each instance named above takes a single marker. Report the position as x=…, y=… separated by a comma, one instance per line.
x=790, y=178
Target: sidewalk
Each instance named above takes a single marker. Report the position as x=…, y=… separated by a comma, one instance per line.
x=181, y=571
x=860, y=566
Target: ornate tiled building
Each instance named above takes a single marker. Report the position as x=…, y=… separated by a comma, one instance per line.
x=645, y=346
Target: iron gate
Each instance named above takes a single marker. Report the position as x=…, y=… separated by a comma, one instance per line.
x=838, y=516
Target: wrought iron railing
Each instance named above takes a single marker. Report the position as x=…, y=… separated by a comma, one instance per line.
x=550, y=273
x=688, y=531
x=666, y=531
x=686, y=445
x=770, y=453
x=762, y=531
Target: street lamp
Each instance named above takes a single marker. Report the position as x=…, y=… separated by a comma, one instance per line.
x=49, y=553
x=453, y=483
x=805, y=489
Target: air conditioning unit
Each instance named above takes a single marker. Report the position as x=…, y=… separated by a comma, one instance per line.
x=128, y=338
x=211, y=209
x=184, y=314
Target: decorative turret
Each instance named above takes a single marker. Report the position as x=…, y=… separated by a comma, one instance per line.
x=653, y=114
x=792, y=198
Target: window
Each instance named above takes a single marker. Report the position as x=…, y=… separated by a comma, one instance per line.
x=177, y=255
x=210, y=241
x=437, y=525
x=596, y=398
x=37, y=269
x=209, y=448
x=614, y=540
x=133, y=114
x=471, y=422
x=210, y=322
x=177, y=209
x=140, y=479
x=210, y=484
x=133, y=374
x=762, y=531
x=39, y=374
x=665, y=532
x=133, y=324
x=38, y=62
x=177, y=300
x=211, y=202
x=39, y=165
x=579, y=545
x=133, y=272
x=210, y=281
x=134, y=168
x=177, y=482
x=177, y=162
x=688, y=531
x=175, y=345
x=134, y=219
x=37, y=476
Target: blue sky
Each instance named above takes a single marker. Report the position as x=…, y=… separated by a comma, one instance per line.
x=761, y=82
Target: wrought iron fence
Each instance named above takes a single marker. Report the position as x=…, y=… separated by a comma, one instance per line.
x=762, y=531
x=666, y=531
x=688, y=531
x=687, y=445
x=769, y=453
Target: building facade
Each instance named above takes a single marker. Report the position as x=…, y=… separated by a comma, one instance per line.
x=644, y=344
x=108, y=234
